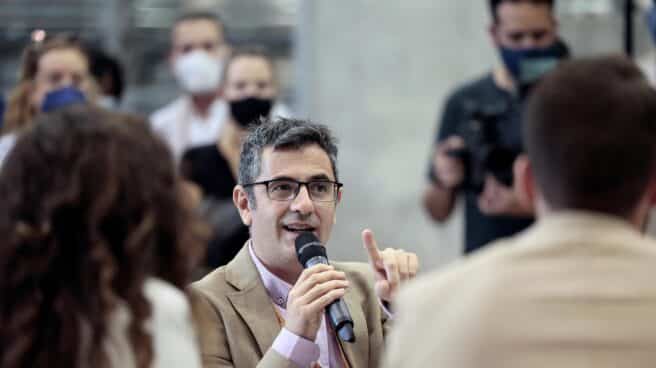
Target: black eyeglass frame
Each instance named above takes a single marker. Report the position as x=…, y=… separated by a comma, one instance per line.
x=337, y=185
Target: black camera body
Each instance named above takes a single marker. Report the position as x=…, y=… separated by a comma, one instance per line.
x=483, y=153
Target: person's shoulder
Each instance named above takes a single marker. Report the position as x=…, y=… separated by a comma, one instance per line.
x=213, y=286
x=464, y=271
x=170, y=304
x=172, y=327
x=476, y=88
x=167, y=113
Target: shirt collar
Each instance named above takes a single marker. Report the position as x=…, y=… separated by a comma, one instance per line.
x=277, y=288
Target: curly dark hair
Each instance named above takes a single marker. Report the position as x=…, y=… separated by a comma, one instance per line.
x=90, y=207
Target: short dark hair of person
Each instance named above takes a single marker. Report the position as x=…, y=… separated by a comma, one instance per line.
x=281, y=134
x=494, y=5
x=590, y=133
x=108, y=72
x=90, y=207
x=202, y=15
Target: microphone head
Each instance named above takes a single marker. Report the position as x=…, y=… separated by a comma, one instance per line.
x=308, y=246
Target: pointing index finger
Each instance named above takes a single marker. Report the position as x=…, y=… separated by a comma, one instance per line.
x=372, y=248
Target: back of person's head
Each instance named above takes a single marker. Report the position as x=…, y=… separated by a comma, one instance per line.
x=590, y=134
x=494, y=5
x=90, y=207
x=20, y=105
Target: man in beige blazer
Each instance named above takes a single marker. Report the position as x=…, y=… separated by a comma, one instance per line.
x=577, y=288
x=263, y=309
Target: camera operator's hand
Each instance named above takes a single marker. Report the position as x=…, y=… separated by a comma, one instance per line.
x=498, y=199
x=450, y=170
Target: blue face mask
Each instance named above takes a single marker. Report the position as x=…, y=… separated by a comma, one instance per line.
x=526, y=66
x=62, y=97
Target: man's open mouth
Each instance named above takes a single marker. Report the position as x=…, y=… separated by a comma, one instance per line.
x=299, y=228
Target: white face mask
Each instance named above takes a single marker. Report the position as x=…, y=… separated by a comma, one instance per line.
x=198, y=72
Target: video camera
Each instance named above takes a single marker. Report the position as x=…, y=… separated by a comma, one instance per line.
x=483, y=154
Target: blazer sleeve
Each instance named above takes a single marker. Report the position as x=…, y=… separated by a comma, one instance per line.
x=214, y=339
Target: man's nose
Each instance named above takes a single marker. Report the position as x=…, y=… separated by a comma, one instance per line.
x=252, y=90
x=303, y=203
x=529, y=42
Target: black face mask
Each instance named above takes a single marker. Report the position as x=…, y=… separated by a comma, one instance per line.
x=246, y=111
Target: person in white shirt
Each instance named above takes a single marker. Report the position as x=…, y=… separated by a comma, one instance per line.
x=198, y=52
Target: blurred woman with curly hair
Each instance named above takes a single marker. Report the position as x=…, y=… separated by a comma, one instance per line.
x=99, y=241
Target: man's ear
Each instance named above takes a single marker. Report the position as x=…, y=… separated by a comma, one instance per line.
x=524, y=183
x=240, y=199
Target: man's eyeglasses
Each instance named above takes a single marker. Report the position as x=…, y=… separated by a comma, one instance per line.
x=288, y=189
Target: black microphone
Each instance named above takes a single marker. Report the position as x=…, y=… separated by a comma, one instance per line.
x=310, y=252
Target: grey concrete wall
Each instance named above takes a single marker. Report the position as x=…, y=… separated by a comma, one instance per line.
x=377, y=72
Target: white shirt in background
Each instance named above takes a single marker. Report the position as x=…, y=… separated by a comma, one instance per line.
x=182, y=129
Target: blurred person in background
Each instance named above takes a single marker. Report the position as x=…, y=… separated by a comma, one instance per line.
x=108, y=74
x=54, y=73
x=250, y=89
x=525, y=34
x=98, y=244
x=577, y=288
x=199, y=48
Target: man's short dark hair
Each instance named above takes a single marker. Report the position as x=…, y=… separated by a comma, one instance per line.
x=281, y=134
x=590, y=133
x=202, y=15
x=494, y=5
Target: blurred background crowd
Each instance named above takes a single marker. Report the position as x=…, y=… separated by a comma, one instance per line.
x=377, y=73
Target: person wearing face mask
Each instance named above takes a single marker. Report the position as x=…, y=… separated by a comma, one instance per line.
x=250, y=90
x=198, y=51
x=54, y=74
x=525, y=35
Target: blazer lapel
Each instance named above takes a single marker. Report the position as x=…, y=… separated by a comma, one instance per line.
x=356, y=353
x=251, y=300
